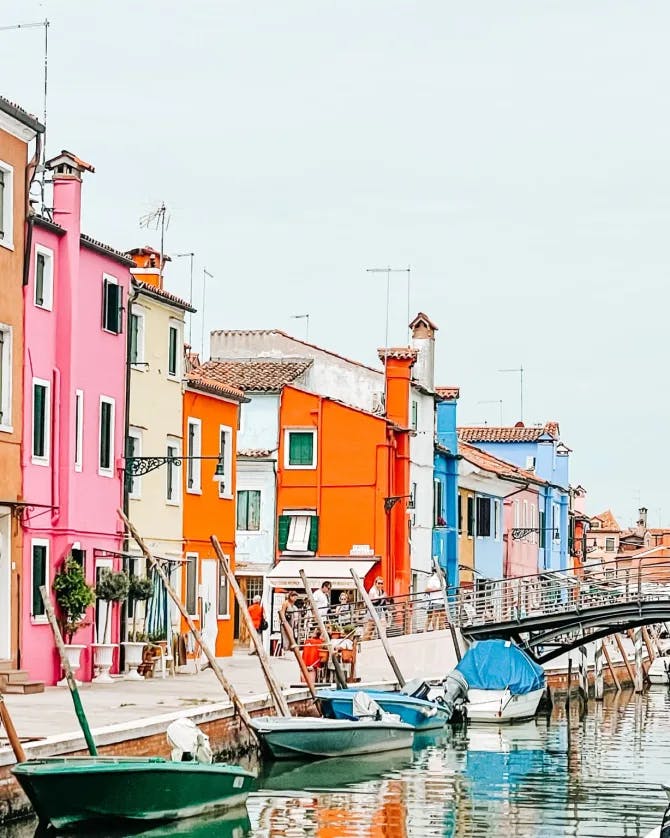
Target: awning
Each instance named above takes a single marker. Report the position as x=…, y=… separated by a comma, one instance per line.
x=285, y=574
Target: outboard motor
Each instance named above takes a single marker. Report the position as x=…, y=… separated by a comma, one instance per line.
x=455, y=692
x=188, y=742
x=416, y=688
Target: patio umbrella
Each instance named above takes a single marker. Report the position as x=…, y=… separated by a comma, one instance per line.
x=157, y=609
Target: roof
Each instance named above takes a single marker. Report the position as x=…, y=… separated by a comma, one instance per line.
x=398, y=353
x=607, y=521
x=197, y=381
x=488, y=462
x=47, y=224
x=423, y=318
x=518, y=433
x=259, y=375
x=161, y=294
x=18, y=113
x=448, y=394
x=255, y=453
x=106, y=250
x=68, y=155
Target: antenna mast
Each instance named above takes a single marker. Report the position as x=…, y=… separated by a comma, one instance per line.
x=519, y=371
x=155, y=220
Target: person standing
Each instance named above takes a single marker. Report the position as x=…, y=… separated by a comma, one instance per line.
x=379, y=600
x=322, y=598
x=257, y=618
x=289, y=610
x=435, y=603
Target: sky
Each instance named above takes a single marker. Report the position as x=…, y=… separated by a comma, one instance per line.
x=514, y=155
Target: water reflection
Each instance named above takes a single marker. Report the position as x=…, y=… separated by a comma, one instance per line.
x=569, y=774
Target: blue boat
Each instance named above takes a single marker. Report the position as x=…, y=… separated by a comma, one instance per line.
x=417, y=712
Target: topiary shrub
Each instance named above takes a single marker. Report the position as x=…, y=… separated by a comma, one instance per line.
x=73, y=596
x=112, y=586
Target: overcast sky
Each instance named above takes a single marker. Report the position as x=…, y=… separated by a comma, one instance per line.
x=515, y=154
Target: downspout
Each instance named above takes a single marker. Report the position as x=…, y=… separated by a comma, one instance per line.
x=55, y=447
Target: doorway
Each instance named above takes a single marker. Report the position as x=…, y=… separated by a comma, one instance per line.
x=209, y=581
x=100, y=609
x=5, y=587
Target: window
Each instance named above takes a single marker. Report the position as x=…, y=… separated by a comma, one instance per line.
x=44, y=272
x=555, y=519
x=484, y=517
x=173, y=350
x=173, y=486
x=525, y=519
x=460, y=514
x=533, y=523
x=79, y=556
x=471, y=516
x=39, y=577
x=112, y=305
x=249, y=510
x=298, y=532
x=6, y=205
x=78, y=429
x=136, y=337
x=5, y=377
x=517, y=515
x=300, y=449
x=223, y=595
x=496, y=519
x=412, y=497
x=193, y=450
x=226, y=459
x=438, y=514
x=543, y=530
x=41, y=421
x=106, y=437
x=192, y=583
x=134, y=450
x=415, y=415
x=609, y=545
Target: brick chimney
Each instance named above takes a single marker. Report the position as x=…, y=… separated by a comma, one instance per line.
x=423, y=340
x=66, y=171
x=149, y=265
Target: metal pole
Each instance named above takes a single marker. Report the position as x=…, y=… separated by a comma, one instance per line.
x=380, y=628
x=65, y=663
x=190, y=294
x=339, y=674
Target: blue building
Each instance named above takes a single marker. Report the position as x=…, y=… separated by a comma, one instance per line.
x=445, y=484
x=538, y=450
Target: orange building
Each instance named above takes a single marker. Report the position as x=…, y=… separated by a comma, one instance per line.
x=211, y=420
x=343, y=480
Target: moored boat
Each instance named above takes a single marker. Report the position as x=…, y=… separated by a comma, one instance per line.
x=308, y=737
x=419, y=713
x=659, y=671
x=67, y=791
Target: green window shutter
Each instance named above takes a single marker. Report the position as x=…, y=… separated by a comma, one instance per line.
x=282, y=532
x=301, y=448
x=313, y=534
x=39, y=578
x=39, y=419
x=39, y=280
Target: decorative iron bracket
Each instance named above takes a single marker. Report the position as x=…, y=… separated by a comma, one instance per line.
x=521, y=532
x=137, y=466
x=390, y=502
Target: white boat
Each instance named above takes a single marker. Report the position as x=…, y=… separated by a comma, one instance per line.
x=659, y=671
x=502, y=705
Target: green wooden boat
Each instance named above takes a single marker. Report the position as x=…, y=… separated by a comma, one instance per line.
x=69, y=791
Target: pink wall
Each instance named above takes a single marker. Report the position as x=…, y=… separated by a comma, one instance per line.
x=521, y=555
x=68, y=347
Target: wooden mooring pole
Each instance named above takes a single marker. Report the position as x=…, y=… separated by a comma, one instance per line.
x=599, y=684
x=624, y=656
x=583, y=673
x=339, y=673
x=639, y=670
x=612, y=670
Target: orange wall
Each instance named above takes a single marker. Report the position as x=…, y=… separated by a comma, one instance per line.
x=348, y=486
x=207, y=514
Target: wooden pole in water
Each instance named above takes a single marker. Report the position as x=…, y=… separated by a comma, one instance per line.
x=622, y=651
x=12, y=735
x=278, y=697
x=301, y=663
x=567, y=701
x=225, y=683
x=583, y=673
x=599, y=683
x=639, y=670
x=69, y=677
x=647, y=643
x=339, y=674
x=615, y=678
x=380, y=628
x=452, y=628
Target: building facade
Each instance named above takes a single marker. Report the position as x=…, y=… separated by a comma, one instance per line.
x=445, y=484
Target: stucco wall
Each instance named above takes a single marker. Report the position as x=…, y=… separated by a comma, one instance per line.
x=259, y=427
x=257, y=548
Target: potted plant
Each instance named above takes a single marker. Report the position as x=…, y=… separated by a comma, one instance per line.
x=112, y=586
x=73, y=597
x=140, y=591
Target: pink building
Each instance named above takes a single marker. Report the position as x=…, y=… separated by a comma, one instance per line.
x=74, y=409
x=521, y=518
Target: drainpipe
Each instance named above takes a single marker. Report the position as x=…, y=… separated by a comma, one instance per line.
x=55, y=446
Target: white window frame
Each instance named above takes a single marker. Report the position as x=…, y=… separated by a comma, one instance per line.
x=174, y=442
x=78, y=430
x=39, y=542
x=292, y=548
x=177, y=326
x=36, y=460
x=7, y=240
x=6, y=377
x=287, y=448
x=136, y=492
x=194, y=467
x=107, y=472
x=496, y=519
x=227, y=492
x=195, y=557
x=260, y=510
x=110, y=280
x=138, y=311
x=223, y=615
x=48, y=254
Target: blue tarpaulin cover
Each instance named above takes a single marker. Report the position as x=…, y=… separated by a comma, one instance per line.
x=500, y=665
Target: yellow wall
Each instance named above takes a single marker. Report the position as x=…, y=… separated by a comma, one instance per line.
x=466, y=543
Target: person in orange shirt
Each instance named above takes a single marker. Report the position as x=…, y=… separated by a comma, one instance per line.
x=258, y=619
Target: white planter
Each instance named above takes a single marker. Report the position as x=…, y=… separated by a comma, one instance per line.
x=73, y=652
x=133, y=655
x=103, y=660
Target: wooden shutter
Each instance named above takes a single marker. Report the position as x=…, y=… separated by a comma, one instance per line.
x=38, y=578
x=39, y=417
x=119, y=309
x=313, y=534
x=282, y=532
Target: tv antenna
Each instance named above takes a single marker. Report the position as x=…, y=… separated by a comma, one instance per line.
x=519, y=371
x=304, y=317
x=499, y=402
x=191, y=256
x=205, y=276
x=158, y=219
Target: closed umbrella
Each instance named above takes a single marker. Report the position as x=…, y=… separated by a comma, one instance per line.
x=157, y=609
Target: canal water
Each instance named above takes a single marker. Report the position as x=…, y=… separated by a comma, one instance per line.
x=598, y=775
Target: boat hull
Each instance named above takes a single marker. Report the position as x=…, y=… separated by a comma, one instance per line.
x=75, y=790
x=421, y=715
x=658, y=671
x=501, y=706
x=310, y=738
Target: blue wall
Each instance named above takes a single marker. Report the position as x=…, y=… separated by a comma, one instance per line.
x=445, y=469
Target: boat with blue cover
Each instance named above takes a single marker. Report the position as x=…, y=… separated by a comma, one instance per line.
x=419, y=713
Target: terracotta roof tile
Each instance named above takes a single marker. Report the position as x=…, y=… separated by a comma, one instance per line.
x=448, y=394
x=398, y=353
x=500, y=467
x=106, y=250
x=255, y=453
x=261, y=374
x=518, y=433
x=209, y=385
x=12, y=109
x=161, y=293
x=607, y=521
